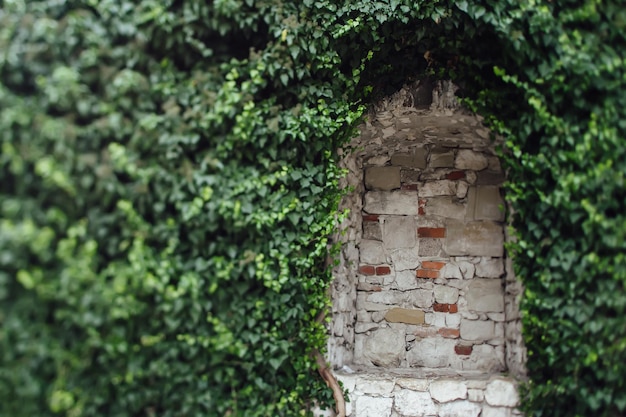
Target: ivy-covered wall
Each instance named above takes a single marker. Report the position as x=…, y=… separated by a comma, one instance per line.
x=168, y=183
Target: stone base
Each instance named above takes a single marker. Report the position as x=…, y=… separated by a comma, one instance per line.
x=427, y=392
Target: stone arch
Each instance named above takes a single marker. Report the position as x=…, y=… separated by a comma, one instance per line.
x=425, y=305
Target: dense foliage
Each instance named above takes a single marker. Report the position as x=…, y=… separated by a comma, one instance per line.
x=168, y=185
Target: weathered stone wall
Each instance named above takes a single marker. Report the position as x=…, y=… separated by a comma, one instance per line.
x=423, y=282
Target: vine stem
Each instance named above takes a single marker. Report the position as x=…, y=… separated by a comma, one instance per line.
x=331, y=381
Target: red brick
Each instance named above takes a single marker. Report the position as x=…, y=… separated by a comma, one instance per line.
x=370, y=217
x=409, y=187
x=441, y=308
x=367, y=270
x=427, y=273
x=455, y=175
x=453, y=308
x=433, y=265
x=421, y=211
x=383, y=270
x=450, y=333
x=463, y=350
x=435, y=232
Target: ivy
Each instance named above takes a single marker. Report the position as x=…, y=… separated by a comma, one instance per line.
x=168, y=187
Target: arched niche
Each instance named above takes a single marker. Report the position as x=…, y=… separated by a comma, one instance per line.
x=424, y=294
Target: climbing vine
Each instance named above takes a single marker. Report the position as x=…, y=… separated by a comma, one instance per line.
x=168, y=185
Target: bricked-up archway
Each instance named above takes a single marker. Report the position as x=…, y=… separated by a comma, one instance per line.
x=425, y=309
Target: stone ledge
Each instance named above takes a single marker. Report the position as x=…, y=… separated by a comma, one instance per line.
x=426, y=392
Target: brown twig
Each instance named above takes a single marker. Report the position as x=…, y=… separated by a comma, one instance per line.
x=331, y=381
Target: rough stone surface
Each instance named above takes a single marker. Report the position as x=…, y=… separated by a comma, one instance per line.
x=386, y=349
x=468, y=159
x=416, y=159
x=485, y=203
x=414, y=403
x=477, y=329
x=373, y=407
x=398, y=202
x=382, y=178
x=485, y=295
x=501, y=393
x=482, y=238
x=459, y=408
x=446, y=390
x=399, y=232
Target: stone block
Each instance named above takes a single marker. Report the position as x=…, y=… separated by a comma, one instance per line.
x=430, y=247
x=417, y=159
x=485, y=203
x=476, y=395
x=367, y=406
x=421, y=298
x=413, y=384
x=397, y=202
x=477, y=329
x=490, y=268
x=384, y=347
x=437, y=188
x=444, y=207
x=406, y=280
x=361, y=327
x=501, y=393
x=409, y=176
x=375, y=386
x=453, y=321
x=387, y=297
x=440, y=158
x=446, y=390
x=399, y=232
x=372, y=230
x=468, y=159
x=431, y=353
x=482, y=238
x=405, y=258
x=382, y=178
x=489, y=177
x=451, y=270
x=405, y=315
x=485, y=295
x=445, y=294
x=459, y=408
x=372, y=252
x=496, y=411
x=414, y=404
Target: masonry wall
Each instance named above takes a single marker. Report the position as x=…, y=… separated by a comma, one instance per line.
x=423, y=283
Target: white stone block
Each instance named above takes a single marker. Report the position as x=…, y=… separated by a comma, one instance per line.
x=405, y=258
x=384, y=347
x=397, y=202
x=437, y=188
x=445, y=294
x=490, y=268
x=453, y=321
x=367, y=406
x=485, y=295
x=399, y=232
x=387, y=297
x=413, y=384
x=468, y=159
x=451, y=270
x=476, y=395
x=467, y=269
x=372, y=252
x=501, y=393
x=406, y=280
x=445, y=207
x=459, y=409
x=414, y=404
x=421, y=298
x=375, y=386
x=446, y=390
x=496, y=411
x=477, y=329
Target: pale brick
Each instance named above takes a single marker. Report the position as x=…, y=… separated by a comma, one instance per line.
x=405, y=315
x=445, y=207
